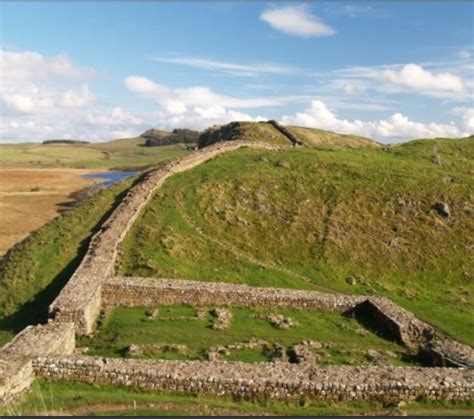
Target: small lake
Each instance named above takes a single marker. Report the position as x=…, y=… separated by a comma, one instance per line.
x=109, y=178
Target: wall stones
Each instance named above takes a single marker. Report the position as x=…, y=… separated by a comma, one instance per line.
x=282, y=381
x=44, y=339
x=16, y=376
x=136, y=292
x=395, y=322
x=447, y=353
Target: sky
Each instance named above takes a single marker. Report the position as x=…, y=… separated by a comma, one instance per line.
x=98, y=71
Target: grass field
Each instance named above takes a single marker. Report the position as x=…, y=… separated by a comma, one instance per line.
x=58, y=398
x=179, y=325
x=36, y=180
x=311, y=218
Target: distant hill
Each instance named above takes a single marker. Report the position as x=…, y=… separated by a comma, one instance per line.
x=156, y=137
x=64, y=142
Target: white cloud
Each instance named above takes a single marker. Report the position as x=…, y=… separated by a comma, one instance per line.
x=416, y=77
x=296, y=20
x=117, y=116
x=450, y=80
x=395, y=128
x=178, y=100
x=467, y=116
x=34, y=84
x=228, y=67
x=49, y=97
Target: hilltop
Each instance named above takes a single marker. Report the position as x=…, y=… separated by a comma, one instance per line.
x=268, y=132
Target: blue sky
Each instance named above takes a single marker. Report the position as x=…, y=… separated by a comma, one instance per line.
x=391, y=71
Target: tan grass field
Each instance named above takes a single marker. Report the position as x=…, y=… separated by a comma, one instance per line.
x=31, y=197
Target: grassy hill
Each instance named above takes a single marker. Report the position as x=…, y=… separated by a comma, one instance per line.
x=361, y=220
x=341, y=214
x=328, y=139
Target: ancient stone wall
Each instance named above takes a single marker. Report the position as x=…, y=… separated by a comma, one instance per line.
x=16, y=371
x=53, y=338
x=396, y=322
x=141, y=292
x=447, y=353
x=16, y=376
x=80, y=300
x=287, y=133
x=282, y=381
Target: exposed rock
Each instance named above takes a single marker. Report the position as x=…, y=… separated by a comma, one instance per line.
x=351, y=280
x=222, y=318
x=443, y=209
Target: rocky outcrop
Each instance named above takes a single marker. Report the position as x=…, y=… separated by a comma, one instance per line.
x=178, y=136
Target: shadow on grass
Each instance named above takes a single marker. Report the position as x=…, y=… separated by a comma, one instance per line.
x=36, y=311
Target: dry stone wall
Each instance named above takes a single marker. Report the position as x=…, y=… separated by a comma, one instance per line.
x=16, y=376
x=80, y=299
x=52, y=338
x=281, y=381
x=396, y=322
x=16, y=371
x=140, y=292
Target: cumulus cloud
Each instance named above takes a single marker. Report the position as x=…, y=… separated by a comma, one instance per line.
x=229, y=67
x=467, y=117
x=34, y=84
x=49, y=97
x=416, y=77
x=296, y=20
x=408, y=78
x=178, y=100
x=397, y=127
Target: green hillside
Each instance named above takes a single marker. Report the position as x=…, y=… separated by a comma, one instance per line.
x=357, y=220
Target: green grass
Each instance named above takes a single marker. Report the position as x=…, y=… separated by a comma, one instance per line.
x=309, y=218
x=84, y=399
x=112, y=154
x=179, y=325
x=34, y=271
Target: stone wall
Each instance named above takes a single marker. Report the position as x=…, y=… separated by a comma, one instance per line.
x=287, y=133
x=52, y=338
x=447, y=353
x=282, y=381
x=16, y=376
x=16, y=371
x=80, y=300
x=395, y=322
x=141, y=292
